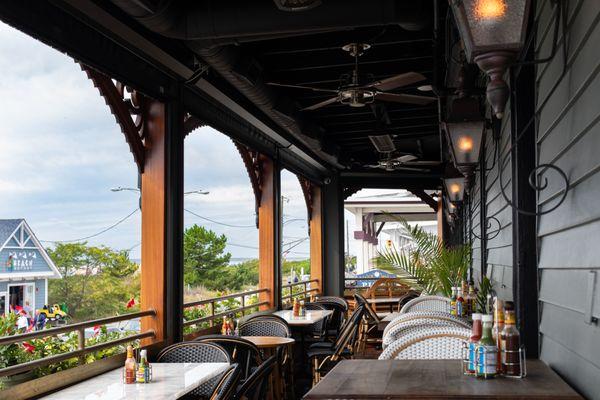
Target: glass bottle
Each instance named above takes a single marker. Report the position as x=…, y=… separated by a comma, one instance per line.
x=140, y=375
x=471, y=300
x=453, y=301
x=224, y=326
x=473, y=340
x=296, y=308
x=460, y=304
x=130, y=366
x=486, y=350
x=497, y=328
x=510, y=340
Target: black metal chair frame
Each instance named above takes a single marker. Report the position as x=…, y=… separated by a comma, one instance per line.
x=227, y=386
x=235, y=345
x=255, y=387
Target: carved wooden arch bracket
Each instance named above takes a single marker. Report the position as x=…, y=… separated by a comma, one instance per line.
x=307, y=190
x=427, y=199
x=252, y=162
x=350, y=190
x=129, y=111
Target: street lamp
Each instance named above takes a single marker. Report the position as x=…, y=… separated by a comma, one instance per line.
x=493, y=33
x=455, y=187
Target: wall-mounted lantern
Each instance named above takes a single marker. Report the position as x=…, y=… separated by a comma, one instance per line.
x=493, y=33
x=455, y=187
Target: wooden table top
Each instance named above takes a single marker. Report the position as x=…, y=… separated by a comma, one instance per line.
x=434, y=379
x=263, y=342
x=383, y=300
x=310, y=318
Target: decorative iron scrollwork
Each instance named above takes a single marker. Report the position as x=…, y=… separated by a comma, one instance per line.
x=489, y=235
x=538, y=187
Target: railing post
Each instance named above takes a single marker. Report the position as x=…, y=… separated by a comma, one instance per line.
x=81, y=344
x=243, y=304
x=212, y=313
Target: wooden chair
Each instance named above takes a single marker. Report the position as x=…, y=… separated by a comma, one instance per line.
x=387, y=287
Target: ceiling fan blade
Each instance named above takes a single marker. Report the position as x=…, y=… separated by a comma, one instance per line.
x=302, y=87
x=406, y=158
x=397, y=81
x=428, y=163
x=321, y=104
x=404, y=98
x=411, y=169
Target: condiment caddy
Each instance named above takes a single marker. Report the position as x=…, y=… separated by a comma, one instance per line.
x=493, y=348
x=139, y=371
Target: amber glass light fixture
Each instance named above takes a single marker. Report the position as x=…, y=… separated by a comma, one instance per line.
x=455, y=187
x=465, y=143
x=493, y=32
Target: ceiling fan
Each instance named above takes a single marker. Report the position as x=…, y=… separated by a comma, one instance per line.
x=357, y=94
x=405, y=162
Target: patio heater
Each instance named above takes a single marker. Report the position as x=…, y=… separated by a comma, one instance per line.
x=493, y=33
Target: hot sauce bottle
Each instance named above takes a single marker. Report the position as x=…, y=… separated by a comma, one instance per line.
x=453, y=301
x=474, y=339
x=497, y=328
x=460, y=304
x=130, y=366
x=486, y=350
x=509, y=337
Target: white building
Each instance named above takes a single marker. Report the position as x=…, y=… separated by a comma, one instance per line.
x=376, y=216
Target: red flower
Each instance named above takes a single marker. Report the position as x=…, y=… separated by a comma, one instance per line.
x=131, y=303
x=96, y=330
x=28, y=347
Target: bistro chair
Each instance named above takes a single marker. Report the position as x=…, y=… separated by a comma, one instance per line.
x=415, y=315
x=401, y=328
x=194, y=352
x=226, y=388
x=255, y=387
x=317, y=331
x=325, y=355
x=265, y=325
x=427, y=303
x=369, y=325
x=241, y=351
x=412, y=294
x=339, y=307
x=428, y=343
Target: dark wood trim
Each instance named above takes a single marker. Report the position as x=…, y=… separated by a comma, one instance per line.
x=523, y=161
x=174, y=161
x=333, y=234
x=427, y=199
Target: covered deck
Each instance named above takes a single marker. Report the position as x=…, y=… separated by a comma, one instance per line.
x=496, y=138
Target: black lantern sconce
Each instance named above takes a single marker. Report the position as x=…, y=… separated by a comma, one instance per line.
x=455, y=187
x=465, y=128
x=493, y=33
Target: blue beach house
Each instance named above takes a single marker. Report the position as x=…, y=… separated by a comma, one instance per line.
x=25, y=268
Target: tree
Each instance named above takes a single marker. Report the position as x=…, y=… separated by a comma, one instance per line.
x=97, y=281
x=205, y=260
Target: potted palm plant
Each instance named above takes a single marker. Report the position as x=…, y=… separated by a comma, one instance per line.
x=428, y=265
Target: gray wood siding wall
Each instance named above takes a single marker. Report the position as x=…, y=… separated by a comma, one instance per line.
x=499, y=248
x=568, y=135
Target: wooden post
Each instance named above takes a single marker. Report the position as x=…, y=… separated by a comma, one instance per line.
x=440, y=220
x=316, y=239
x=269, y=237
x=333, y=236
x=162, y=223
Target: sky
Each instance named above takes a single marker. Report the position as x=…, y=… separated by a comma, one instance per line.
x=61, y=152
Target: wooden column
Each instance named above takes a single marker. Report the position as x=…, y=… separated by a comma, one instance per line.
x=333, y=237
x=523, y=161
x=440, y=220
x=269, y=233
x=316, y=238
x=162, y=222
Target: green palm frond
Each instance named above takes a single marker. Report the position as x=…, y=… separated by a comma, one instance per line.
x=428, y=265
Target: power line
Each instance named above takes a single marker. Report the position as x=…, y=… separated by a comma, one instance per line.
x=97, y=233
x=219, y=223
